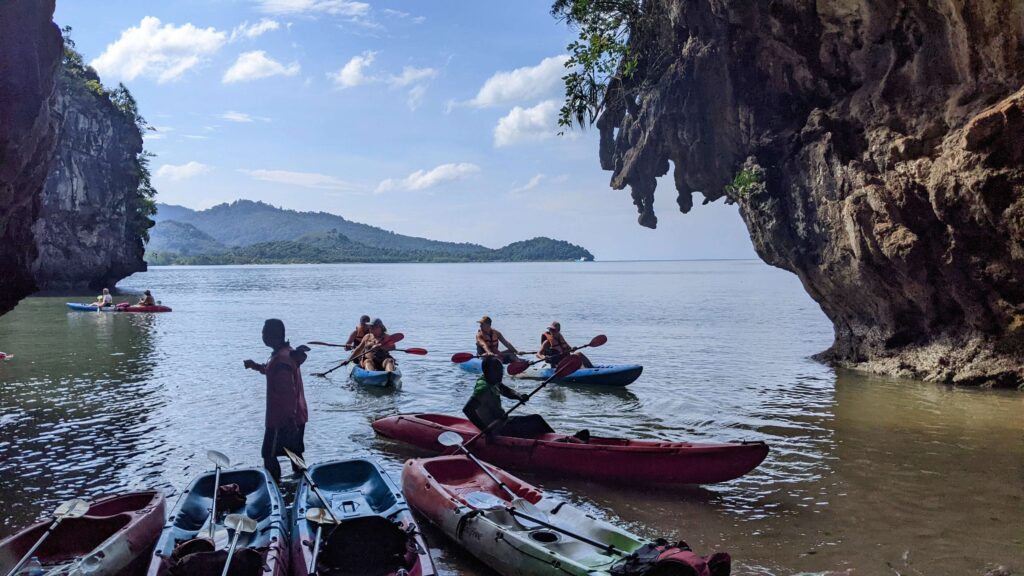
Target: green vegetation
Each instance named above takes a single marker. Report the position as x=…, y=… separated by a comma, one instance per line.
x=748, y=181
x=600, y=53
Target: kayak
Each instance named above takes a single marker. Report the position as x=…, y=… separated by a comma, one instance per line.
x=184, y=547
x=605, y=375
x=377, y=535
x=605, y=459
x=115, y=536
x=459, y=498
x=376, y=378
x=118, y=308
x=6, y=356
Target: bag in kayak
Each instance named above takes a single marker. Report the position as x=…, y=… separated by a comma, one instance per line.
x=229, y=498
x=660, y=558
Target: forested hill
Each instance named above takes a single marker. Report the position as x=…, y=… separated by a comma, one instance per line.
x=246, y=232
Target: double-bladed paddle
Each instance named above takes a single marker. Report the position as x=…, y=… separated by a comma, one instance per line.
x=240, y=523
x=301, y=465
x=71, y=509
x=388, y=340
x=520, y=366
x=219, y=461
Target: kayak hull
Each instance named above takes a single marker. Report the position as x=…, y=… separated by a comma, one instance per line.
x=602, y=459
x=605, y=375
x=145, y=309
x=190, y=516
x=376, y=378
x=89, y=307
x=93, y=308
x=455, y=495
x=377, y=535
x=116, y=536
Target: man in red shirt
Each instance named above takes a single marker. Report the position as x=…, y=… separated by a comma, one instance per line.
x=287, y=413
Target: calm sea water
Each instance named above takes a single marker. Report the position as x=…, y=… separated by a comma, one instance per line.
x=866, y=474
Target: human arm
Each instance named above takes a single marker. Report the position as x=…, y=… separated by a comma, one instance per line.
x=253, y=365
x=351, y=342
x=511, y=348
x=482, y=343
x=544, y=347
x=511, y=394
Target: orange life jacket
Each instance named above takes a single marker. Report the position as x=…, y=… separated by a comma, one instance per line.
x=556, y=344
x=491, y=339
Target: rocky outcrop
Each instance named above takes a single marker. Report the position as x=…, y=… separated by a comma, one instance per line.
x=875, y=149
x=30, y=52
x=88, y=233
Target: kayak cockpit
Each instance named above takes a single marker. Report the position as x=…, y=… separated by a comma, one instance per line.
x=462, y=478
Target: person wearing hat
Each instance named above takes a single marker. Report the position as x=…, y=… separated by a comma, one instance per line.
x=147, y=299
x=377, y=357
x=554, y=348
x=488, y=339
x=357, y=335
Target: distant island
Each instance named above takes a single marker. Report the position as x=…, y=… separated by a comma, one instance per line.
x=247, y=232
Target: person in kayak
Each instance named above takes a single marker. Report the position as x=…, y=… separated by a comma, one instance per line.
x=287, y=414
x=104, y=300
x=554, y=348
x=484, y=406
x=359, y=333
x=147, y=299
x=488, y=339
x=377, y=357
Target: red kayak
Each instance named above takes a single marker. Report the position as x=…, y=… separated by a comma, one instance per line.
x=609, y=459
x=157, y=308
x=115, y=537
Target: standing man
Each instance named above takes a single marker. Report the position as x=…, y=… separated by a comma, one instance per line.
x=287, y=413
x=487, y=340
x=554, y=348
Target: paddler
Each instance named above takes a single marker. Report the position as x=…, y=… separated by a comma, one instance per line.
x=488, y=339
x=147, y=299
x=484, y=407
x=357, y=335
x=287, y=413
x=377, y=357
x=104, y=299
x=554, y=348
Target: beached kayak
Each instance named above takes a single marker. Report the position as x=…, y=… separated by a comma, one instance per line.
x=376, y=378
x=459, y=498
x=185, y=548
x=118, y=308
x=377, y=535
x=606, y=459
x=116, y=536
x=605, y=375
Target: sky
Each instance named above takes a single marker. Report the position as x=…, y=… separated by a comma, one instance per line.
x=434, y=119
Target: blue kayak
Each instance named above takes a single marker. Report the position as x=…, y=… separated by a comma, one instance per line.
x=264, y=551
x=90, y=307
x=606, y=375
x=377, y=533
x=376, y=378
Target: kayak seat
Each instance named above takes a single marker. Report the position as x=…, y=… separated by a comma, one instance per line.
x=357, y=482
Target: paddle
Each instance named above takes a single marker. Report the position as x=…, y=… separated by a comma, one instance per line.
x=301, y=465
x=520, y=366
x=520, y=507
x=71, y=509
x=219, y=461
x=239, y=523
x=319, y=517
x=319, y=343
x=567, y=366
x=391, y=339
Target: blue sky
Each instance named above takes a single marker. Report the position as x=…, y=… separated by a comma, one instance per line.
x=434, y=119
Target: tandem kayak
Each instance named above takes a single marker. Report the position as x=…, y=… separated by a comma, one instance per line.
x=377, y=534
x=184, y=547
x=118, y=308
x=90, y=307
x=116, y=536
x=606, y=459
x=605, y=375
x=376, y=378
x=459, y=498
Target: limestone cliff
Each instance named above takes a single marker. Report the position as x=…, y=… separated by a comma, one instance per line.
x=875, y=149
x=30, y=52
x=91, y=220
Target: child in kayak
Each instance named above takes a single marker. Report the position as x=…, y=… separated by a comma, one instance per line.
x=359, y=333
x=488, y=339
x=378, y=358
x=104, y=300
x=147, y=299
x=553, y=347
x=484, y=407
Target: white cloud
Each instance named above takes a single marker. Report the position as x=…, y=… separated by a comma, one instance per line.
x=233, y=116
x=352, y=73
x=527, y=124
x=255, y=65
x=415, y=96
x=304, y=179
x=164, y=52
x=533, y=183
x=182, y=171
x=412, y=75
x=403, y=15
x=521, y=84
x=250, y=31
x=346, y=8
x=421, y=179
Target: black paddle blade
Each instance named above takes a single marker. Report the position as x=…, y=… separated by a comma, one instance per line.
x=567, y=366
x=598, y=340
x=517, y=367
x=461, y=357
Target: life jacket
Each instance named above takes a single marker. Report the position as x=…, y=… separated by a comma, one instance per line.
x=659, y=558
x=491, y=339
x=361, y=331
x=556, y=344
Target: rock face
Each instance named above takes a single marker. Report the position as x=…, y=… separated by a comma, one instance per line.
x=87, y=234
x=875, y=149
x=30, y=52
